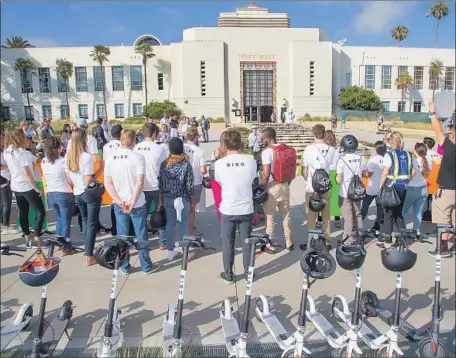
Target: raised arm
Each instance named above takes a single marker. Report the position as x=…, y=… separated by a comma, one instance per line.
x=435, y=124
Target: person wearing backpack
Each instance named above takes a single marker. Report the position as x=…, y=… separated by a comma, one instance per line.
x=205, y=126
x=316, y=164
x=351, y=167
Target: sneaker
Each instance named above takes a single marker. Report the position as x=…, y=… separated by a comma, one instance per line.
x=154, y=268
x=338, y=224
x=328, y=245
x=173, y=255
x=227, y=278
x=303, y=247
x=290, y=247
x=125, y=271
x=29, y=244
x=319, y=225
x=270, y=249
x=444, y=253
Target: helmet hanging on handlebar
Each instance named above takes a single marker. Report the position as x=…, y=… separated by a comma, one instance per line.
x=40, y=271
x=109, y=251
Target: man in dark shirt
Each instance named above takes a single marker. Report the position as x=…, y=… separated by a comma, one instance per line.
x=444, y=203
x=98, y=134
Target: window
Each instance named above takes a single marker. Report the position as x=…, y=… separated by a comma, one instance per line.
x=119, y=110
x=433, y=82
x=386, y=106
x=311, y=78
x=61, y=84
x=416, y=106
x=97, y=78
x=47, y=111
x=160, y=81
x=5, y=114
x=258, y=91
x=401, y=70
x=401, y=106
x=101, y=113
x=369, y=80
x=26, y=82
x=64, y=111
x=28, y=113
x=386, y=77
x=203, y=78
x=449, y=78
x=348, y=79
x=44, y=75
x=136, y=78
x=81, y=79
x=83, y=111
x=418, y=77
x=137, y=109
x=117, y=78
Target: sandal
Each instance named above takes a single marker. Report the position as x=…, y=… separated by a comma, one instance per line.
x=90, y=261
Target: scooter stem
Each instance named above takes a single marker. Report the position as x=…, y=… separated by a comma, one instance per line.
x=177, y=333
x=244, y=324
x=112, y=301
x=303, y=305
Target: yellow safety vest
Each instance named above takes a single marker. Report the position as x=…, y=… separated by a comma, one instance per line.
x=395, y=176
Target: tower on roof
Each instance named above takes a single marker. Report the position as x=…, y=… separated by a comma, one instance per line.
x=253, y=16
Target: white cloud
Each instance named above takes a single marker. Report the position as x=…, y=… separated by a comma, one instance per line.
x=42, y=42
x=171, y=11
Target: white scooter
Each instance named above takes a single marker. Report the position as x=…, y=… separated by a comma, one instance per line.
x=23, y=317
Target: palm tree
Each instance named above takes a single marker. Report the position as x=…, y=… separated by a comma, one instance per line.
x=435, y=71
x=100, y=55
x=438, y=11
x=399, y=33
x=16, y=42
x=24, y=66
x=146, y=51
x=403, y=83
x=65, y=70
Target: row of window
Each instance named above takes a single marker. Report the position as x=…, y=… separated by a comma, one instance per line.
x=387, y=82
x=81, y=79
x=401, y=106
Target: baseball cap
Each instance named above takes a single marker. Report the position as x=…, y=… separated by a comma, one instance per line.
x=82, y=123
x=115, y=130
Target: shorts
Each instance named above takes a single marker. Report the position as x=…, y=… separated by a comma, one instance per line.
x=444, y=207
x=198, y=189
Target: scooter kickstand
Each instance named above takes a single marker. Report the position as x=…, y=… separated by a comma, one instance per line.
x=67, y=334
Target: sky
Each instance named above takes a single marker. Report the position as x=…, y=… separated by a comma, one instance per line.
x=111, y=23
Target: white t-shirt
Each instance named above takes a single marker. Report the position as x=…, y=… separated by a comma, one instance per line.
x=432, y=155
x=91, y=145
x=337, y=154
x=154, y=154
x=317, y=156
x=418, y=180
x=197, y=160
x=165, y=147
x=17, y=160
x=254, y=141
x=124, y=167
x=32, y=159
x=267, y=157
x=54, y=173
x=374, y=166
x=77, y=178
x=110, y=148
x=184, y=129
x=352, y=161
x=235, y=173
x=4, y=172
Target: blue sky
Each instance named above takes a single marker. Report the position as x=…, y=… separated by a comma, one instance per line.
x=86, y=23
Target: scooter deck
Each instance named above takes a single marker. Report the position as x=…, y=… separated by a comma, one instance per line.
x=168, y=331
x=405, y=328
x=325, y=328
x=115, y=338
x=231, y=332
x=364, y=332
x=277, y=331
x=8, y=334
x=53, y=333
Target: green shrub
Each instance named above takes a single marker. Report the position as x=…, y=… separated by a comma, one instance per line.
x=361, y=99
x=216, y=120
x=7, y=125
x=156, y=110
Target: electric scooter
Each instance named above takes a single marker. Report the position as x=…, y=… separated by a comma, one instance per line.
x=432, y=346
x=235, y=338
x=172, y=323
x=23, y=317
x=111, y=338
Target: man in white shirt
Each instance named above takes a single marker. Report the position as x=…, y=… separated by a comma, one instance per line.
x=124, y=181
x=235, y=173
x=197, y=160
x=318, y=155
x=254, y=141
x=165, y=120
x=154, y=154
x=114, y=144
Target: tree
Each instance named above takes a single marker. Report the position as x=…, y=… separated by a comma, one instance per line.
x=435, y=71
x=360, y=99
x=25, y=66
x=403, y=83
x=146, y=51
x=16, y=42
x=399, y=33
x=65, y=70
x=438, y=11
x=100, y=55
x=157, y=110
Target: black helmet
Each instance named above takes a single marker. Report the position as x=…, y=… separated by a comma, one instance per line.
x=40, y=271
x=212, y=170
x=350, y=256
x=108, y=251
x=349, y=143
x=157, y=220
x=260, y=195
x=255, y=183
x=396, y=260
x=317, y=264
x=316, y=203
x=207, y=183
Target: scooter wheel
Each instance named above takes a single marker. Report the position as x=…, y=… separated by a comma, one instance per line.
x=337, y=303
x=27, y=314
x=369, y=302
x=383, y=353
x=343, y=353
x=429, y=349
x=66, y=312
x=290, y=354
x=259, y=305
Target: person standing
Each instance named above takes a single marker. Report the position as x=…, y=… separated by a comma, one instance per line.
x=185, y=125
x=165, y=121
x=283, y=117
x=343, y=120
x=334, y=122
x=45, y=130
x=173, y=127
x=99, y=134
x=254, y=141
x=380, y=121
x=106, y=128
x=274, y=116
x=292, y=117
x=236, y=207
x=194, y=123
x=205, y=126
x=124, y=179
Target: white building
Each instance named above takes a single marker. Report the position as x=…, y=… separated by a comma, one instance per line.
x=240, y=73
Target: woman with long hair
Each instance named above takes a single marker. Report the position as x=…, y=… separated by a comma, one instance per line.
x=66, y=136
x=23, y=183
x=79, y=166
x=59, y=192
x=417, y=190
x=219, y=153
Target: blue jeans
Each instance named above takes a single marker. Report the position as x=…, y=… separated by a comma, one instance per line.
x=365, y=208
x=138, y=217
x=152, y=196
x=171, y=221
x=62, y=203
x=416, y=198
x=89, y=207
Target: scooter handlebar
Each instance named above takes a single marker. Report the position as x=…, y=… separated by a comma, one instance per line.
x=9, y=250
x=363, y=234
x=446, y=228
x=414, y=235
x=258, y=239
x=191, y=241
x=130, y=240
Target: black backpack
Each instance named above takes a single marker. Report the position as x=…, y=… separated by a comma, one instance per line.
x=356, y=190
x=321, y=183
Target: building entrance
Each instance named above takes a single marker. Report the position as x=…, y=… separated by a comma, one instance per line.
x=258, y=95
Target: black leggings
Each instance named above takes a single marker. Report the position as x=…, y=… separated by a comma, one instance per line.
x=24, y=201
x=7, y=198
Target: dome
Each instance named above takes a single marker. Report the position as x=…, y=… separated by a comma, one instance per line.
x=149, y=39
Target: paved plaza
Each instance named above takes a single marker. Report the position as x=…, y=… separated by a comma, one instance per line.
x=144, y=299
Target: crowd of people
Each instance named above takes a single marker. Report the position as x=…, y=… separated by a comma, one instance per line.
x=164, y=171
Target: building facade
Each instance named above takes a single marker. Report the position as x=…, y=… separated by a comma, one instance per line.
x=240, y=73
